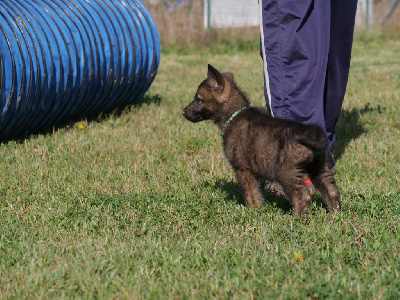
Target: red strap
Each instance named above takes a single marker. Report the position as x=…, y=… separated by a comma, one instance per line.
x=307, y=182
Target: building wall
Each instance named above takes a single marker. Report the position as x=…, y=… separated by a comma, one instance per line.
x=231, y=13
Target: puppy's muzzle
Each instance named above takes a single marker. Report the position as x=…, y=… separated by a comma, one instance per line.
x=190, y=115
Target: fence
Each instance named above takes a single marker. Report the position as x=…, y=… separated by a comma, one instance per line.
x=190, y=22
x=378, y=14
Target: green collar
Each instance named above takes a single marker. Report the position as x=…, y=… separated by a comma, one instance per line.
x=230, y=119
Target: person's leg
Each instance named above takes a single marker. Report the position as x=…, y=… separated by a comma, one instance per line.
x=295, y=45
x=343, y=13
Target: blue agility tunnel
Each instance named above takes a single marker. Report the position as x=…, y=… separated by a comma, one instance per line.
x=65, y=59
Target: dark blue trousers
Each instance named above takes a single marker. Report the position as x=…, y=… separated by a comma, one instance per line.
x=306, y=50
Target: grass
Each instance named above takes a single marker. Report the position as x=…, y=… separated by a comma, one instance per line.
x=142, y=204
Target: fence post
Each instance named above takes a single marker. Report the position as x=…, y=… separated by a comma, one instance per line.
x=390, y=13
x=208, y=22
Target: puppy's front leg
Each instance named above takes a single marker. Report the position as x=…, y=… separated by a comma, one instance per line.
x=250, y=188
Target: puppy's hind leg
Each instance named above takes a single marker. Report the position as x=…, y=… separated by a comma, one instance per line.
x=301, y=201
x=251, y=188
x=325, y=183
x=298, y=195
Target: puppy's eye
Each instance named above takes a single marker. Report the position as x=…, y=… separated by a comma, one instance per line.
x=198, y=99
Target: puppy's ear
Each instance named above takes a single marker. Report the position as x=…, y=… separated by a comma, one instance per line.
x=228, y=75
x=214, y=78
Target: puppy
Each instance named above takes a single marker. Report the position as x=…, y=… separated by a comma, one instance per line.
x=264, y=149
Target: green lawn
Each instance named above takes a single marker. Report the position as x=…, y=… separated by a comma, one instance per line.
x=142, y=204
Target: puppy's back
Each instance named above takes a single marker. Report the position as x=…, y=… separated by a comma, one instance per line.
x=256, y=141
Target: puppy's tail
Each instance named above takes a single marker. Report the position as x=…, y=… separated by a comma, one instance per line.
x=315, y=140
x=313, y=145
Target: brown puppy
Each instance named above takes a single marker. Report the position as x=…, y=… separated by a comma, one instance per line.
x=263, y=149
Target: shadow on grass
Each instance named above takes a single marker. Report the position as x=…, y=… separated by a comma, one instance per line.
x=349, y=126
x=232, y=189
x=96, y=116
x=119, y=111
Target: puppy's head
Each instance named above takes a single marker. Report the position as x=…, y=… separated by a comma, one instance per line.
x=210, y=96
